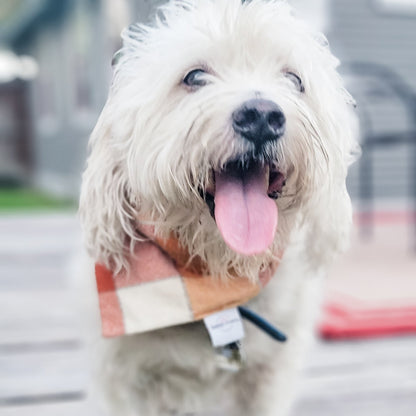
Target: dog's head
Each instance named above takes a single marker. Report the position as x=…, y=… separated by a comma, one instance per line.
x=224, y=119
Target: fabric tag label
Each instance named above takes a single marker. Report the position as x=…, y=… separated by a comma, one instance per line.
x=224, y=327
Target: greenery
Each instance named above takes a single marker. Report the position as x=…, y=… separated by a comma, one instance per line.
x=20, y=199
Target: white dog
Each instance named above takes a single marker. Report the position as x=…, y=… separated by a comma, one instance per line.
x=227, y=126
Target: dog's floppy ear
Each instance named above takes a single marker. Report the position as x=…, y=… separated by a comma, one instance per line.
x=105, y=210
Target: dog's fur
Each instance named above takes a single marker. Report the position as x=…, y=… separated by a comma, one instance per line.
x=153, y=151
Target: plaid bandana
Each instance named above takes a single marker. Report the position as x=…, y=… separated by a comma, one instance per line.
x=164, y=288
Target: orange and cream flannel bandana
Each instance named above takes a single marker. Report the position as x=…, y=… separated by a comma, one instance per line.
x=163, y=288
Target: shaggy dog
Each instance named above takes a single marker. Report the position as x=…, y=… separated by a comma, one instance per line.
x=224, y=119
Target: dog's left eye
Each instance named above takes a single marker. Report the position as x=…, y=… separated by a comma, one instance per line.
x=297, y=81
x=195, y=78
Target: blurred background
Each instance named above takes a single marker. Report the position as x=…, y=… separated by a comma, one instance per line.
x=54, y=76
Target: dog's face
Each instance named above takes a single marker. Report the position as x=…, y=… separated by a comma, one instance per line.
x=222, y=118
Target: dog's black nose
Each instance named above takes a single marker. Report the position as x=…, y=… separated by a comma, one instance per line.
x=259, y=121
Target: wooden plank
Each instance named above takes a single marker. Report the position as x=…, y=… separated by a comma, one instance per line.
x=37, y=316
x=354, y=406
x=37, y=297
x=43, y=362
x=388, y=379
x=79, y=408
x=361, y=378
x=42, y=373
x=370, y=352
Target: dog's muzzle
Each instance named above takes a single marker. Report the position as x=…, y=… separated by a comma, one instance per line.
x=259, y=121
x=241, y=193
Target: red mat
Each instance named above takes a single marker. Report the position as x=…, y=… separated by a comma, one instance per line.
x=349, y=319
x=372, y=289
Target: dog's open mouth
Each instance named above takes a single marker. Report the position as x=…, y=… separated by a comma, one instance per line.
x=241, y=199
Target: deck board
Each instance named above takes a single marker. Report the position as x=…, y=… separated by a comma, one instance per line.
x=69, y=408
x=43, y=357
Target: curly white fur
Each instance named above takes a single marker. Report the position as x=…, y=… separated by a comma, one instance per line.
x=154, y=148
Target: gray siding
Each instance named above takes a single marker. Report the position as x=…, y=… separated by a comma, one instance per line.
x=360, y=31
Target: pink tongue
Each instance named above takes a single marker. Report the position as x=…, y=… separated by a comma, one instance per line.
x=245, y=215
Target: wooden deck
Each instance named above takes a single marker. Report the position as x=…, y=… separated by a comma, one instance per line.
x=43, y=358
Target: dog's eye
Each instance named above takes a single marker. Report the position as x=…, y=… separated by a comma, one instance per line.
x=297, y=81
x=195, y=78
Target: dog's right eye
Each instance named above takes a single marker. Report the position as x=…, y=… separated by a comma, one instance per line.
x=195, y=78
x=297, y=81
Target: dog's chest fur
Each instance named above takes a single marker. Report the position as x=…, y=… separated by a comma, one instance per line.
x=182, y=371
